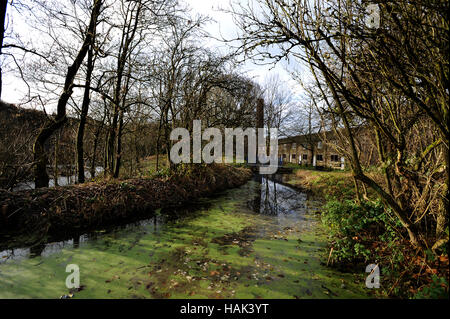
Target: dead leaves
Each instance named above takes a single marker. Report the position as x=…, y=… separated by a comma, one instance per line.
x=115, y=277
x=443, y=259
x=214, y=273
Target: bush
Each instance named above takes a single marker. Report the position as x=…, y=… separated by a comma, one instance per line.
x=355, y=228
x=162, y=172
x=438, y=289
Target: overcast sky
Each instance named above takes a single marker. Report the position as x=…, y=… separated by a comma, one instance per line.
x=222, y=26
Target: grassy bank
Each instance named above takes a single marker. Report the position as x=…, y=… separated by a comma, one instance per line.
x=82, y=207
x=367, y=232
x=329, y=185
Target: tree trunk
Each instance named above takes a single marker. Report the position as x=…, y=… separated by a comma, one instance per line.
x=105, y=155
x=118, y=161
x=158, y=147
x=442, y=218
x=3, y=7
x=94, y=153
x=357, y=191
x=41, y=178
x=83, y=116
x=110, y=150
x=56, y=173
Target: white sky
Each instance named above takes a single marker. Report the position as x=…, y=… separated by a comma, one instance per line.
x=224, y=26
x=14, y=90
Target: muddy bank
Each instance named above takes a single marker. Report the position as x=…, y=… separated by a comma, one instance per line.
x=56, y=211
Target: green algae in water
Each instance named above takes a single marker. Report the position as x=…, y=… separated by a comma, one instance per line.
x=258, y=241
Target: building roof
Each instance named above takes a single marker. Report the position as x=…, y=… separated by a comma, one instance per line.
x=316, y=137
x=307, y=138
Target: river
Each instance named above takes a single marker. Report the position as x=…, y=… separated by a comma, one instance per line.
x=62, y=180
x=262, y=240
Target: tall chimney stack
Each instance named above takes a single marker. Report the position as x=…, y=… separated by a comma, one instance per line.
x=260, y=113
x=259, y=122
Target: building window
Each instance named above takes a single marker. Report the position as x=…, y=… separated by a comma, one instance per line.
x=319, y=145
x=284, y=156
x=320, y=158
x=294, y=156
x=335, y=158
x=305, y=157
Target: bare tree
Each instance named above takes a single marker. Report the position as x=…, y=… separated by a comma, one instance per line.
x=278, y=102
x=378, y=76
x=94, y=52
x=40, y=155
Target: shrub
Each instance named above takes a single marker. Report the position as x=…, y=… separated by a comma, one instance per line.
x=354, y=228
x=438, y=289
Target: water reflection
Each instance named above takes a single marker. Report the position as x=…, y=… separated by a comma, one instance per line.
x=284, y=206
x=274, y=198
x=62, y=180
x=46, y=249
x=43, y=250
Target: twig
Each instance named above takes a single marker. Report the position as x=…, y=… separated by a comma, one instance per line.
x=396, y=283
x=329, y=257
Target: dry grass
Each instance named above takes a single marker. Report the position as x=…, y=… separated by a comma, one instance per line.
x=337, y=185
x=326, y=184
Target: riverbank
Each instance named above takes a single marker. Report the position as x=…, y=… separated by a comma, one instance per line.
x=61, y=210
x=366, y=232
x=331, y=185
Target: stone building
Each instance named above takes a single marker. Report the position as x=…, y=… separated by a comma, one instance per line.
x=319, y=150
